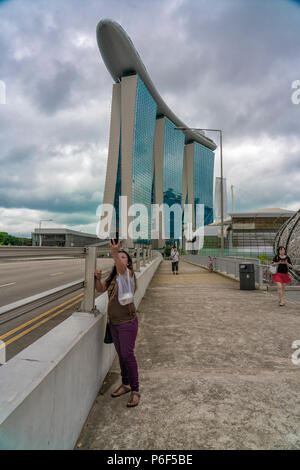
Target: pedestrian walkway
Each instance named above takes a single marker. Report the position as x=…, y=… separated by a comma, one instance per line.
x=215, y=366
x=292, y=295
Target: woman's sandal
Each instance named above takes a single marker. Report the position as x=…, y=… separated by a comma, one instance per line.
x=118, y=392
x=131, y=402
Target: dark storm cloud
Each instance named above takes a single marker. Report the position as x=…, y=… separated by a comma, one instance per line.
x=221, y=63
x=19, y=156
x=78, y=203
x=41, y=179
x=54, y=92
x=238, y=62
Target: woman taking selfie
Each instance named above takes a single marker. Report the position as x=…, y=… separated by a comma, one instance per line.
x=283, y=262
x=122, y=317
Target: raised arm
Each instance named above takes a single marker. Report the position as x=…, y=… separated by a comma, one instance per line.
x=99, y=285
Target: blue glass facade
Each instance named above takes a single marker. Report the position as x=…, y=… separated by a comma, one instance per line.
x=203, y=180
x=153, y=189
x=172, y=169
x=143, y=176
x=136, y=112
x=143, y=147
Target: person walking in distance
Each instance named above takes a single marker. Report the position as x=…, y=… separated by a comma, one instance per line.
x=123, y=321
x=175, y=260
x=283, y=262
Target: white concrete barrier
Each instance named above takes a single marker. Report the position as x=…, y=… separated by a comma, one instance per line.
x=2, y=352
x=48, y=389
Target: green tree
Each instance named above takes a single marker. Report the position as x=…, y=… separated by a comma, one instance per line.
x=8, y=240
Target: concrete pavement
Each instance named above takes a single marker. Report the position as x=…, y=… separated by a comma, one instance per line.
x=215, y=366
x=293, y=296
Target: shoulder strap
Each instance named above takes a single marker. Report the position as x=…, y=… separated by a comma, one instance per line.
x=112, y=288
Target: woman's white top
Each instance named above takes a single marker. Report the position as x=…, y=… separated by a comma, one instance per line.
x=125, y=287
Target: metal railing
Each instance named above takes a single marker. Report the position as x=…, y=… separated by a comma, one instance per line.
x=90, y=253
x=88, y=303
x=20, y=307
x=230, y=266
x=16, y=252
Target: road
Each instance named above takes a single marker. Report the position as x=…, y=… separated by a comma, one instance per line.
x=22, y=279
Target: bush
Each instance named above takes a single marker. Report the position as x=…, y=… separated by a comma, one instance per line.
x=264, y=258
x=167, y=251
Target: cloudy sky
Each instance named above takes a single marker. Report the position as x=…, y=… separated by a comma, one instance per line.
x=226, y=64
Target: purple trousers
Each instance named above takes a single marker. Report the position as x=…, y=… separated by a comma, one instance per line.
x=124, y=337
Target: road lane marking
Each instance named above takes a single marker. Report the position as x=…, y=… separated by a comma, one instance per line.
x=9, y=333
x=14, y=338
x=55, y=274
x=9, y=284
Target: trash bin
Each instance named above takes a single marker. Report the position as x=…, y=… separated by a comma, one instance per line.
x=247, y=276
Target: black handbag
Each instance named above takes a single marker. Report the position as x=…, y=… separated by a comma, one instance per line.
x=108, y=338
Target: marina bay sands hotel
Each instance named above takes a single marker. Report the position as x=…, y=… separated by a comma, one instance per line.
x=150, y=161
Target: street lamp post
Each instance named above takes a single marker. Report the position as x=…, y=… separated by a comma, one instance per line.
x=40, y=226
x=221, y=158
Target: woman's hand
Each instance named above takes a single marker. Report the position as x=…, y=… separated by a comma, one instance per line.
x=115, y=247
x=98, y=274
x=100, y=286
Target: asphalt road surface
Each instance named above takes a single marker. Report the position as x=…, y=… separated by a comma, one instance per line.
x=22, y=279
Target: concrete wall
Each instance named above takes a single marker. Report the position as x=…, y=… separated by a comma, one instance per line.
x=48, y=389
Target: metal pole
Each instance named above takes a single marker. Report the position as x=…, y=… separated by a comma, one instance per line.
x=40, y=225
x=144, y=257
x=88, y=303
x=232, y=198
x=222, y=202
x=138, y=259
